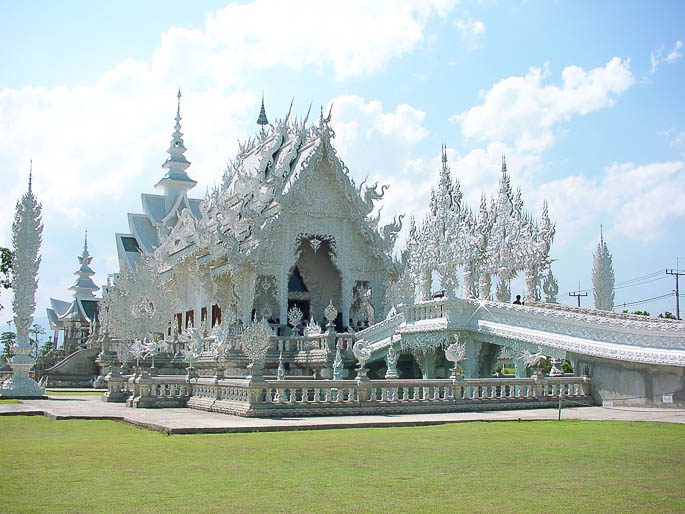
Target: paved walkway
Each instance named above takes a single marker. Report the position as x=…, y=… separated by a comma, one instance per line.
x=190, y=421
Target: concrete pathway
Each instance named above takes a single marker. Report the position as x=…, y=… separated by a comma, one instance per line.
x=190, y=421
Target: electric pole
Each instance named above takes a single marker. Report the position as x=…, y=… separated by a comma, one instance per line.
x=578, y=294
x=676, y=273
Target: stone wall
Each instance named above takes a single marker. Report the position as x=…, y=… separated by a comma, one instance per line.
x=632, y=384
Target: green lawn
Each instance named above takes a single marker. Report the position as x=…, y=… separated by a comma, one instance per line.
x=9, y=400
x=80, y=466
x=52, y=392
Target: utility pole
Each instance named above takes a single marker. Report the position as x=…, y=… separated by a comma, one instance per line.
x=676, y=273
x=578, y=294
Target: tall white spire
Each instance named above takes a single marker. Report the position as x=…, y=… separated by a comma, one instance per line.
x=27, y=232
x=176, y=181
x=603, y=276
x=84, y=287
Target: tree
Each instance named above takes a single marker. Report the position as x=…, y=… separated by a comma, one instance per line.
x=7, y=340
x=603, y=277
x=37, y=331
x=667, y=315
x=5, y=268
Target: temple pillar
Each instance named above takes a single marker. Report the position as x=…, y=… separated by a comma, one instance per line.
x=467, y=280
x=426, y=284
x=531, y=283
x=427, y=361
x=283, y=296
x=345, y=296
x=484, y=286
x=519, y=366
x=470, y=364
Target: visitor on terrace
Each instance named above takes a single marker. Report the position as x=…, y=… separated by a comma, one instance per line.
x=518, y=300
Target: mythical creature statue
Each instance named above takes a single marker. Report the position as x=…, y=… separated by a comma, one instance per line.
x=362, y=352
x=390, y=231
x=532, y=359
x=371, y=195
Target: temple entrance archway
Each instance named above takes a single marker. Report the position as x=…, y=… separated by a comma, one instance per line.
x=314, y=280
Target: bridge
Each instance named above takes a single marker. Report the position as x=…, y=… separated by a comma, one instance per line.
x=634, y=360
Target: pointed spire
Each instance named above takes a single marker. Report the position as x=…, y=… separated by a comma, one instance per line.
x=176, y=179
x=504, y=163
x=444, y=155
x=30, y=174
x=601, y=234
x=263, y=120
x=84, y=287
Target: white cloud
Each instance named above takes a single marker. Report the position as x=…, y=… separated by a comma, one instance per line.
x=657, y=57
x=642, y=202
x=525, y=111
x=471, y=31
x=674, y=137
x=382, y=145
x=96, y=148
x=353, y=37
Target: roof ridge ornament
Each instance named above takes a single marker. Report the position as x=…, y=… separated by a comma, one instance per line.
x=262, y=119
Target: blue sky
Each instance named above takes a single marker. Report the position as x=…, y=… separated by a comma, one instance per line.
x=585, y=98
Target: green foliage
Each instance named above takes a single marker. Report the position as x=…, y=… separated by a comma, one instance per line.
x=667, y=315
x=7, y=340
x=641, y=313
x=591, y=466
x=5, y=268
x=509, y=371
x=566, y=367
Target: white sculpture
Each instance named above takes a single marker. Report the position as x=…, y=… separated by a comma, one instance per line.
x=362, y=352
x=455, y=353
x=280, y=374
x=391, y=358
x=137, y=304
x=294, y=316
x=338, y=365
x=550, y=287
x=603, y=276
x=501, y=240
x=27, y=232
x=330, y=314
x=255, y=343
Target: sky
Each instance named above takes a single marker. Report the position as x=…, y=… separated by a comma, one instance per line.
x=584, y=98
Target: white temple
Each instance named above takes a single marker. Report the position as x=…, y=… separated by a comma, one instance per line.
x=212, y=293
x=286, y=227
x=75, y=319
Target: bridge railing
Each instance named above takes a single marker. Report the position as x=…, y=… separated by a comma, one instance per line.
x=266, y=397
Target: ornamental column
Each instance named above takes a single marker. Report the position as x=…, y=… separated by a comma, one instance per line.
x=27, y=232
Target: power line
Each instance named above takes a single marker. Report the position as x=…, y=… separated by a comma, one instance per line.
x=630, y=282
x=646, y=300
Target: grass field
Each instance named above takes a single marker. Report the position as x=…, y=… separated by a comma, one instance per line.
x=79, y=466
x=52, y=392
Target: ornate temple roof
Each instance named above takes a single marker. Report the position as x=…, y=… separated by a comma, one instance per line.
x=84, y=306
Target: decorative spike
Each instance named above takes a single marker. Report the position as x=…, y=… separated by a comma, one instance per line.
x=262, y=119
x=307, y=116
x=504, y=163
x=30, y=174
x=287, y=117
x=85, y=242
x=178, y=108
